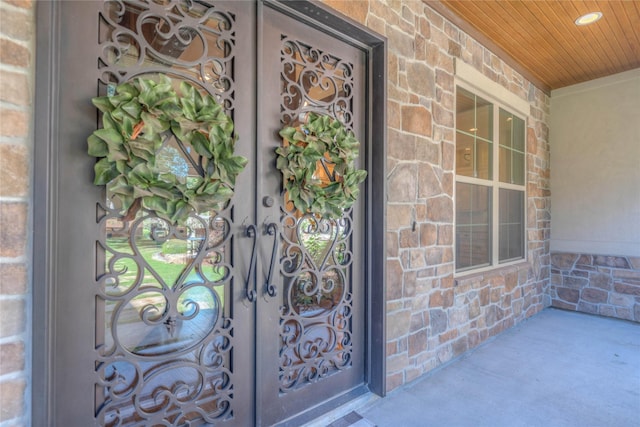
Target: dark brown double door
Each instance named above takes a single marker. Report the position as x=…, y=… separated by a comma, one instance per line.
x=251, y=315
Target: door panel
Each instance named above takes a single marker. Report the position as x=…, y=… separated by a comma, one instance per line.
x=311, y=315
x=163, y=305
x=152, y=324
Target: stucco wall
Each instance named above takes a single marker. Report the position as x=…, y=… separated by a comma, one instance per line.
x=595, y=236
x=16, y=142
x=595, y=151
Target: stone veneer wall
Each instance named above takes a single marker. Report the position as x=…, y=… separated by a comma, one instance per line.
x=596, y=284
x=433, y=317
x=16, y=87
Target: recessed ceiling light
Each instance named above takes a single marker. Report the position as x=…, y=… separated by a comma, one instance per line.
x=589, y=18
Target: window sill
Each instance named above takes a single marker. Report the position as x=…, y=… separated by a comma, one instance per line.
x=490, y=271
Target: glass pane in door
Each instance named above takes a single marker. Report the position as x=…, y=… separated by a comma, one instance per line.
x=315, y=323
x=164, y=335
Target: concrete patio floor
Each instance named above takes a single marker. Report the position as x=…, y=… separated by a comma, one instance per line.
x=558, y=368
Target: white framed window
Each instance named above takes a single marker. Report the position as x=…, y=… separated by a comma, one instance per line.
x=490, y=185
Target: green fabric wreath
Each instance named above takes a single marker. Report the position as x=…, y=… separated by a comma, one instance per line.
x=137, y=121
x=317, y=165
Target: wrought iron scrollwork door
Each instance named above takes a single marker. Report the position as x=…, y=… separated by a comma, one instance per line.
x=312, y=316
x=246, y=315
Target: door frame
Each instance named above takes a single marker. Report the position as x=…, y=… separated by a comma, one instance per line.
x=46, y=168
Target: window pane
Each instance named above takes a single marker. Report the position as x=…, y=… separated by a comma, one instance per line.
x=511, y=148
x=465, y=110
x=517, y=173
x=505, y=124
x=505, y=164
x=518, y=134
x=464, y=155
x=484, y=119
x=473, y=225
x=483, y=159
x=511, y=223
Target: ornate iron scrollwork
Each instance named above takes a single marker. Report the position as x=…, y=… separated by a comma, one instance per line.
x=316, y=257
x=164, y=337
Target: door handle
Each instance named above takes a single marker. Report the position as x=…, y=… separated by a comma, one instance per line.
x=272, y=230
x=251, y=294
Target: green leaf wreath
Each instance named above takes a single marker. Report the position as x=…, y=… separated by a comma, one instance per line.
x=137, y=121
x=317, y=165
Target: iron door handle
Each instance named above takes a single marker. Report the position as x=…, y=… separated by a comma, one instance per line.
x=272, y=230
x=251, y=294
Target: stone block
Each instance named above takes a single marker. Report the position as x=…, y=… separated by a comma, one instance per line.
x=440, y=209
x=447, y=336
x=437, y=321
x=24, y=4
x=398, y=216
x=417, y=258
x=421, y=79
x=601, y=281
x=568, y=295
x=13, y=279
x=575, y=282
x=484, y=296
x=12, y=53
x=442, y=116
x=394, y=381
x=402, y=183
x=607, y=310
x=14, y=170
x=14, y=124
x=428, y=182
x=409, y=285
x=416, y=119
x=595, y=296
x=427, y=151
x=626, y=288
x=586, y=307
x=12, y=398
x=394, y=279
x=428, y=234
x=356, y=10
x=401, y=146
x=409, y=238
x=458, y=316
x=624, y=313
x=434, y=255
x=417, y=343
x=563, y=261
x=460, y=346
x=398, y=324
x=474, y=308
x=563, y=305
x=634, y=262
x=626, y=274
x=611, y=261
x=15, y=88
x=11, y=357
x=13, y=317
x=621, y=300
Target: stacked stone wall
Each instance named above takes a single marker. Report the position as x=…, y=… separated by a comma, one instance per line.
x=597, y=284
x=16, y=88
x=433, y=316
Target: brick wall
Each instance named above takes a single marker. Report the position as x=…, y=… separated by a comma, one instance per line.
x=433, y=317
x=16, y=88
x=596, y=284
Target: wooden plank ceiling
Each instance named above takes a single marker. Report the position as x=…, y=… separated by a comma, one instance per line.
x=541, y=38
